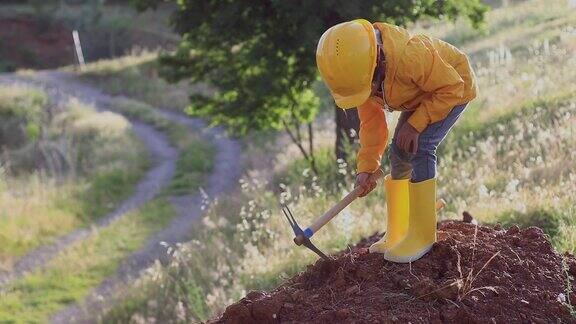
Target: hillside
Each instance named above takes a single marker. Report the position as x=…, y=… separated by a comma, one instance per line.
x=507, y=161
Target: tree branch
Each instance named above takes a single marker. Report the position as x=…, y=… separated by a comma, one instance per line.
x=295, y=140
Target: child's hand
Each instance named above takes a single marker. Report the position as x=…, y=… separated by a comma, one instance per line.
x=407, y=138
x=363, y=180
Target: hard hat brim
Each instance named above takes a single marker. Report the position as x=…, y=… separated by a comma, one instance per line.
x=354, y=100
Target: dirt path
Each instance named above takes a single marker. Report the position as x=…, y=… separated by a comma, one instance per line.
x=226, y=172
x=163, y=156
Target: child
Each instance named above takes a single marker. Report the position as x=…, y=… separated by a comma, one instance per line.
x=381, y=66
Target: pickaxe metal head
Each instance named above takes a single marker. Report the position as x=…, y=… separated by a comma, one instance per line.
x=300, y=238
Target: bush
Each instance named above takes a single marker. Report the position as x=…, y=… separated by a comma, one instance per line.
x=21, y=110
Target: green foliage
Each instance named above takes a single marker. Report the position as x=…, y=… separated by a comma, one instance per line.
x=6, y=66
x=260, y=56
x=21, y=111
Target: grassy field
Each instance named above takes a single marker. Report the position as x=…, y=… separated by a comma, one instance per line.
x=38, y=205
x=509, y=160
x=62, y=168
x=83, y=266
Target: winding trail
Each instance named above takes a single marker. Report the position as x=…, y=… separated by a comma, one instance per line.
x=163, y=156
x=225, y=175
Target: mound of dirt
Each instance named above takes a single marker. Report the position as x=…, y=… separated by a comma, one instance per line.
x=474, y=274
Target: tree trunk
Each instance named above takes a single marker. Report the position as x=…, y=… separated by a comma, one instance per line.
x=311, y=147
x=296, y=138
x=112, y=44
x=347, y=129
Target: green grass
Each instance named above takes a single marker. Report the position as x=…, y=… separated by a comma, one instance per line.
x=515, y=169
x=70, y=276
x=33, y=216
x=96, y=162
x=546, y=219
x=511, y=20
x=190, y=290
x=48, y=211
x=108, y=188
x=194, y=164
x=330, y=172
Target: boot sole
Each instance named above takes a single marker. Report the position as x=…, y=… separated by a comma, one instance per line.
x=374, y=250
x=410, y=258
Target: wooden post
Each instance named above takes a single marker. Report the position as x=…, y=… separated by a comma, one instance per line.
x=78, y=49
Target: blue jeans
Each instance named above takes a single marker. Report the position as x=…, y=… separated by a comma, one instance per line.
x=422, y=165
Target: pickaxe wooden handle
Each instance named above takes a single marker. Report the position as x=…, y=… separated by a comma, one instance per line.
x=324, y=219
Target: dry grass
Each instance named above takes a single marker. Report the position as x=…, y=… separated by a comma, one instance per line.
x=464, y=283
x=137, y=77
x=70, y=167
x=31, y=214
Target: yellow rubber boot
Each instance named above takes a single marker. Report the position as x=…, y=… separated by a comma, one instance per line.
x=397, y=223
x=421, y=233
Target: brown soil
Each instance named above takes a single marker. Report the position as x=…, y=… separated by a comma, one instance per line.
x=474, y=274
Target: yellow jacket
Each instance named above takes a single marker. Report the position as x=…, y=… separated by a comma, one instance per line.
x=423, y=74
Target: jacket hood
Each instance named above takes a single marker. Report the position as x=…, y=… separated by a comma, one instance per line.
x=394, y=39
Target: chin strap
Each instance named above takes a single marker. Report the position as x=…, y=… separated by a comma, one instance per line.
x=378, y=36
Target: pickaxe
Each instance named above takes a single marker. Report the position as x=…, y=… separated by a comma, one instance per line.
x=302, y=237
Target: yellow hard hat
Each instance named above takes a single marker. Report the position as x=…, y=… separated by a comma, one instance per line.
x=346, y=57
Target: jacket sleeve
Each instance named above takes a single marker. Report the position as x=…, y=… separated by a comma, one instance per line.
x=373, y=136
x=433, y=75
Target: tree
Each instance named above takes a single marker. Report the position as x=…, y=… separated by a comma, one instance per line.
x=260, y=55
